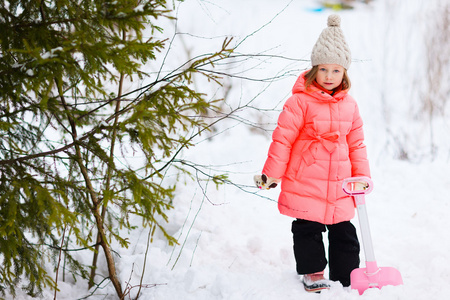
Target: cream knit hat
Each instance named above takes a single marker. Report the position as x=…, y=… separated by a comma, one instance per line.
x=331, y=47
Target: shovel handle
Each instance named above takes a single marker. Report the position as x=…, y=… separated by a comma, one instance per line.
x=348, y=185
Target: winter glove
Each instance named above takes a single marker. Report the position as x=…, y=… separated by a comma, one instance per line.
x=359, y=186
x=265, y=182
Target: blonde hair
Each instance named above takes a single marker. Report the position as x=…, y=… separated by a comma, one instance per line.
x=311, y=76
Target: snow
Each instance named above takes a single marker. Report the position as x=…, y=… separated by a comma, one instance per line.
x=51, y=53
x=233, y=243
x=139, y=8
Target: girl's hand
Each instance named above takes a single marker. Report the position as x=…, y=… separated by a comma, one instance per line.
x=360, y=186
x=264, y=182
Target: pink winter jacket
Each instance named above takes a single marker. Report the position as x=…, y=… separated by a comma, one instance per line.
x=317, y=143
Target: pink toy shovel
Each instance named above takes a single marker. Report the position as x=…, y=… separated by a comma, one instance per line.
x=371, y=276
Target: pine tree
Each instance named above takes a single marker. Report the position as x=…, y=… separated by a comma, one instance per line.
x=66, y=129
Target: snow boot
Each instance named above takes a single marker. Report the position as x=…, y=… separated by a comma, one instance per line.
x=315, y=283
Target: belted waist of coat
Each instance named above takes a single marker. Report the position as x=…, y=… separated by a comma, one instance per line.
x=328, y=140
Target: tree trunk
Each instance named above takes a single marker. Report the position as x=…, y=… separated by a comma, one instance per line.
x=108, y=254
x=108, y=182
x=95, y=202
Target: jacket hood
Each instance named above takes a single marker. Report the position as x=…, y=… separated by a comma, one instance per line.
x=299, y=87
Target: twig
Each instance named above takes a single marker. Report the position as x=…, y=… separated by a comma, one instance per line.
x=59, y=262
x=192, y=224
x=150, y=234
x=260, y=28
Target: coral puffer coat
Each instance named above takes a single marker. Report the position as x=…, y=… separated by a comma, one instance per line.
x=317, y=143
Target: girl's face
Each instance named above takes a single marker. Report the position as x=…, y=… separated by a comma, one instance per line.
x=330, y=76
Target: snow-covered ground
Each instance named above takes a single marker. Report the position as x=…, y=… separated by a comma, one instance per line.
x=233, y=243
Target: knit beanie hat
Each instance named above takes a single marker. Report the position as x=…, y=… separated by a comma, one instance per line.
x=331, y=47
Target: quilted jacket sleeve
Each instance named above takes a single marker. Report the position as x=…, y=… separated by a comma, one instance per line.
x=290, y=122
x=357, y=148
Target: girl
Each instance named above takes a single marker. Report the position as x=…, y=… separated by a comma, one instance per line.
x=317, y=143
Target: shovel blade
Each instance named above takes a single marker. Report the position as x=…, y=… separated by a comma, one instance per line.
x=361, y=280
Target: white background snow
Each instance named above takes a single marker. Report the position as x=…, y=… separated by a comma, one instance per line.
x=233, y=244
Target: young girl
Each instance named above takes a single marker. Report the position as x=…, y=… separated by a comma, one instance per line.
x=317, y=143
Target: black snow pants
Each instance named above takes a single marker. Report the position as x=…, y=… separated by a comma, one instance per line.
x=309, y=250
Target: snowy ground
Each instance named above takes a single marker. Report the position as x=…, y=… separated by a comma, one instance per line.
x=233, y=244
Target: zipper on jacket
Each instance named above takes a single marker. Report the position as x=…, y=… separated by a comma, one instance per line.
x=327, y=210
